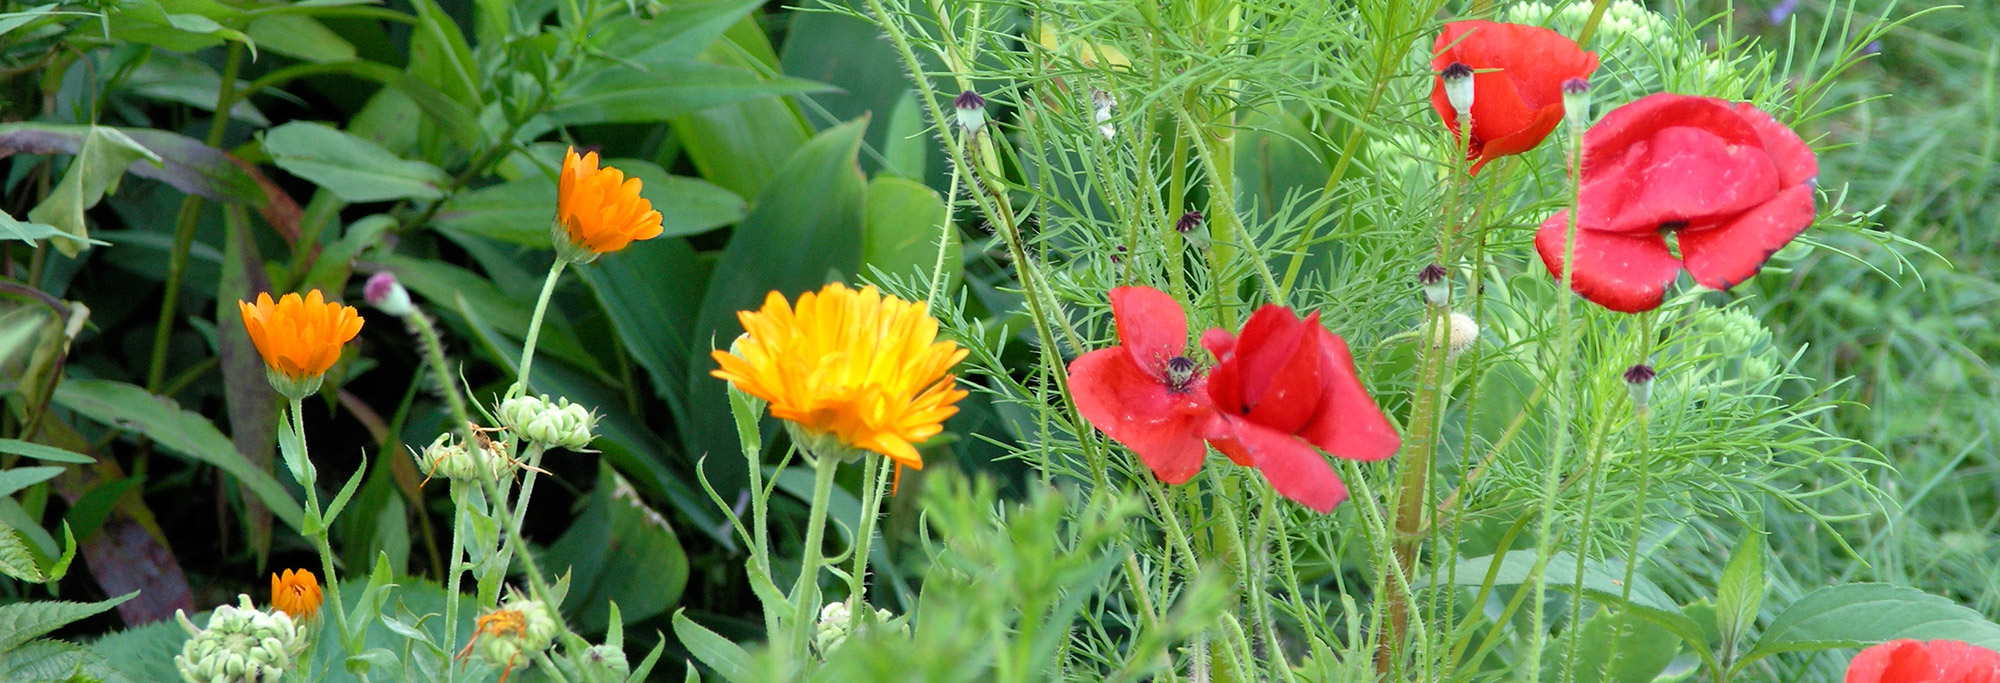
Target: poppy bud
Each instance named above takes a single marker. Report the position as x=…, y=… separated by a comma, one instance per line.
x=1436, y=287
x=1457, y=334
x=1639, y=381
x=1188, y=222
x=971, y=111
x=1458, y=88
x=1101, y=103
x=1576, y=105
x=384, y=292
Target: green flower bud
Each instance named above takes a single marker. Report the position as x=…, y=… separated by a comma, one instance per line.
x=558, y=424
x=242, y=644
x=515, y=633
x=604, y=662
x=450, y=458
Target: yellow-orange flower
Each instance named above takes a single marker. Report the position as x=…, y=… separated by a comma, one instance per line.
x=599, y=210
x=295, y=592
x=299, y=337
x=860, y=366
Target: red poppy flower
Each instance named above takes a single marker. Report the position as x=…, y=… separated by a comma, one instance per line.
x=1915, y=661
x=1146, y=393
x=1731, y=182
x=1283, y=387
x=1516, y=85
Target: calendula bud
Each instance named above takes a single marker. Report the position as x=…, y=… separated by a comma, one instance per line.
x=971, y=110
x=1576, y=105
x=1639, y=381
x=831, y=629
x=556, y=423
x=1101, y=103
x=241, y=644
x=451, y=458
x=384, y=292
x=514, y=633
x=604, y=662
x=1458, y=89
x=1435, y=281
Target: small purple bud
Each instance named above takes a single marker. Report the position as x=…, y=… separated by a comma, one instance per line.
x=1872, y=47
x=384, y=292
x=1119, y=256
x=1188, y=222
x=1783, y=10
x=1576, y=104
x=1436, y=282
x=971, y=111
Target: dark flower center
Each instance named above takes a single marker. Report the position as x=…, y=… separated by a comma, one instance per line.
x=1180, y=371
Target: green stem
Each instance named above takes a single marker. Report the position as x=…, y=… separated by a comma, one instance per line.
x=538, y=586
x=805, y=594
x=871, y=502
x=434, y=358
x=319, y=535
x=177, y=260
x=535, y=330
x=459, y=519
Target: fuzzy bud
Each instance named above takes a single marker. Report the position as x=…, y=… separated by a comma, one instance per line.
x=450, y=458
x=1576, y=105
x=834, y=618
x=514, y=633
x=1456, y=335
x=1458, y=89
x=384, y=292
x=241, y=644
x=1639, y=381
x=1188, y=222
x=558, y=423
x=971, y=110
x=1436, y=283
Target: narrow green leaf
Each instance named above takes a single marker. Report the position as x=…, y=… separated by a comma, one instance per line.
x=41, y=452
x=24, y=477
x=353, y=168
x=340, y=500
x=726, y=658
x=25, y=231
x=1740, y=592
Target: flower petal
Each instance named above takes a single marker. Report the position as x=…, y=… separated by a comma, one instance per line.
x=1162, y=426
x=1720, y=257
x=1667, y=158
x=1151, y=327
x=1623, y=272
x=1348, y=423
x=1795, y=161
x=1896, y=661
x=1294, y=469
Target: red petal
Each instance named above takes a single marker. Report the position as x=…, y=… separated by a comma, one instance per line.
x=1151, y=327
x=1670, y=158
x=1294, y=469
x=1963, y=663
x=1720, y=257
x=1896, y=661
x=1348, y=424
x=1795, y=160
x=1278, y=369
x=1162, y=426
x=1518, y=92
x=1225, y=382
x=1625, y=273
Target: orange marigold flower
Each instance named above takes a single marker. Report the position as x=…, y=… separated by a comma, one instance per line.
x=860, y=367
x=599, y=210
x=295, y=592
x=299, y=338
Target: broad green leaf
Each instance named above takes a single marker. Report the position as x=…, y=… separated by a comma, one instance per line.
x=619, y=550
x=1861, y=614
x=740, y=146
x=1643, y=650
x=650, y=292
x=354, y=169
x=23, y=477
x=178, y=430
x=682, y=33
x=95, y=171
x=1740, y=592
x=56, y=661
x=173, y=77
x=803, y=230
x=442, y=283
x=178, y=25
x=521, y=211
x=907, y=145
x=41, y=452
x=867, y=79
x=1600, y=578
x=906, y=222
x=440, y=58
x=726, y=658
x=300, y=37
x=25, y=621
x=622, y=93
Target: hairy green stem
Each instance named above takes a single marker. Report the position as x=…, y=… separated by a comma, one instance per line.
x=459, y=520
x=805, y=594
x=535, y=331
x=319, y=535
x=873, y=478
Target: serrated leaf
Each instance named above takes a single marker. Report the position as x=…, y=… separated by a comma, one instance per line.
x=726, y=658
x=25, y=621
x=352, y=168
x=17, y=559
x=178, y=431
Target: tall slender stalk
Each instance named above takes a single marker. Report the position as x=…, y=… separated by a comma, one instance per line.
x=873, y=479
x=177, y=259
x=319, y=535
x=805, y=593
x=534, y=333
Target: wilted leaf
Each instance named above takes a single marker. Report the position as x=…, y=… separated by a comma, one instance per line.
x=95, y=170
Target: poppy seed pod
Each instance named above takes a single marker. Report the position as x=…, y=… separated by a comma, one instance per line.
x=1437, y=287
x=971, y=109
x=241, y=643
x=1458, y=88
x=1188, y=222
x=1639, y=381
x=554, y=424
x=1576, y=105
